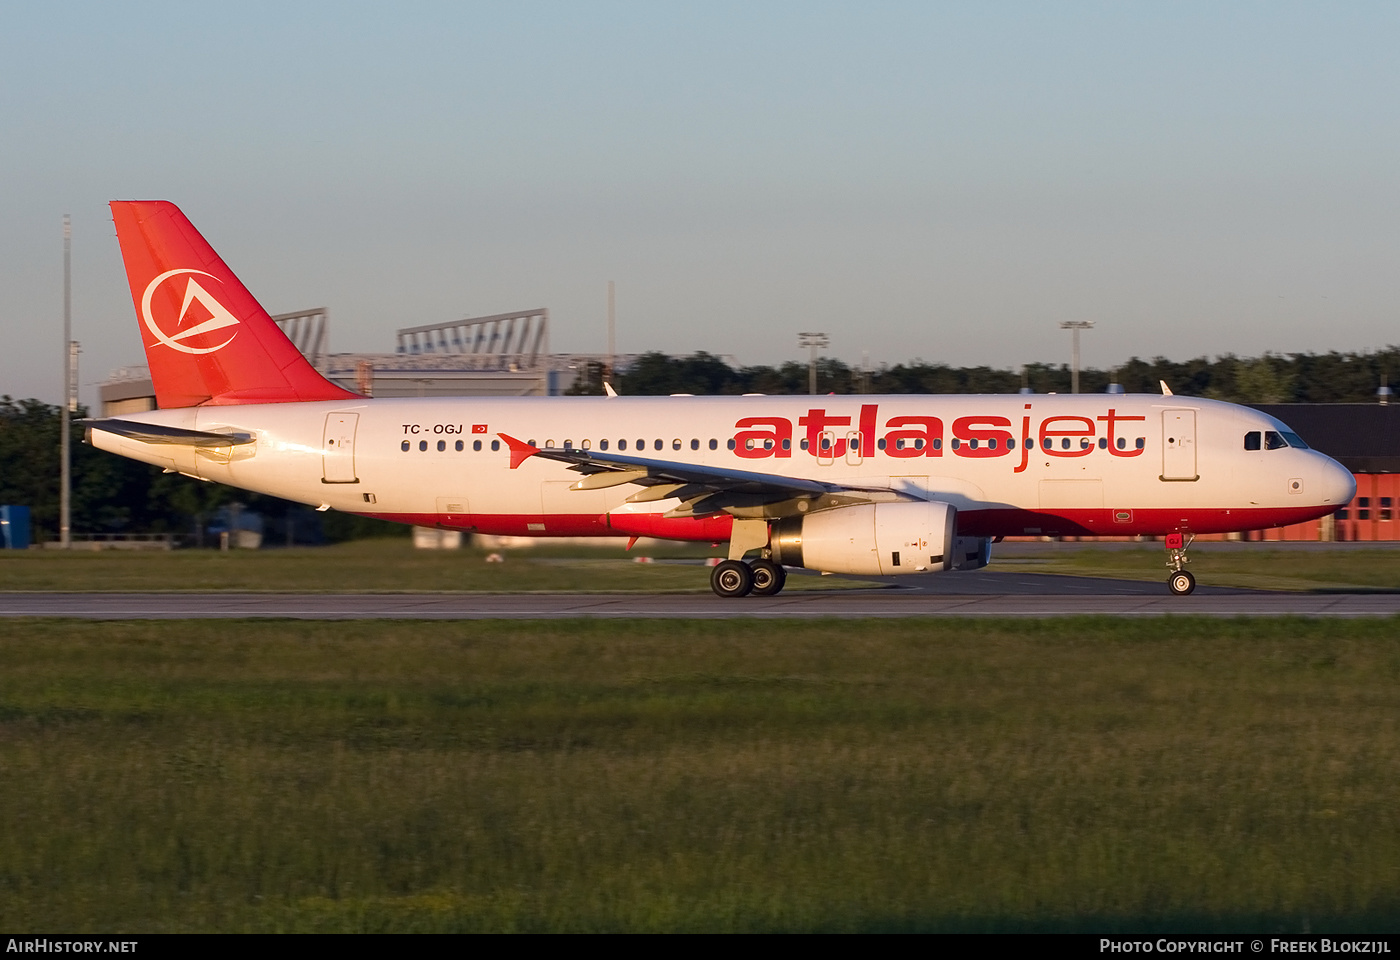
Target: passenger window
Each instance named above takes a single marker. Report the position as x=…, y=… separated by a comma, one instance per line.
x=495, y=444
x=1065, y=443
x=1141, y=442
x=587, y=444
x=1083, y=443
x=937, y=443
x=1251, y=440
x=676, y=443
x=568, y=444
x=880, y=443
x=476, y=446
x=787, y=443
x=1103, y=443
x=1010, y=443
x=1122, y=443
x=404, y=446
x=462, y=446
x=694, y=444
x=549, y=444
x=641, y=445
x=803, y=444
x=972, y=444
x=658, y=445
x=442, y=445
x=955, y=443
x=714, y=444
x=730, y=443
x=602, y=444
x=422, y=446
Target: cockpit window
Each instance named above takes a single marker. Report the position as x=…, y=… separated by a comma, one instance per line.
x=1273, y=440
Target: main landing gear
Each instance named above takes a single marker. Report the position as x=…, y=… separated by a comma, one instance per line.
x=735, y=578
x=1180, y=582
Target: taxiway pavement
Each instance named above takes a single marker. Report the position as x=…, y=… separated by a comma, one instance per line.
x=979, y=594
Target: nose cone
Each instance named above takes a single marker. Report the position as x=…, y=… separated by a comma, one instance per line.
x=1337, y=486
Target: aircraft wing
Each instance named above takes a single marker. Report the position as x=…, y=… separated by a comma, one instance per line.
x=703, y=491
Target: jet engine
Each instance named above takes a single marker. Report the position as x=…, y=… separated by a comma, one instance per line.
x=879, y=539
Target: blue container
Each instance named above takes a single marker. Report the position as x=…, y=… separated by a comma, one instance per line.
x=14, y=528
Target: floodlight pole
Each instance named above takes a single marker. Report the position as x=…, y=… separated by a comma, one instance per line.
x=1075, y=326
x=65, y=529
x=612, y=334
x=814, y=341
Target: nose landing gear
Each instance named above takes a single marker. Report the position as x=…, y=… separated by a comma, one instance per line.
x=1180, y=582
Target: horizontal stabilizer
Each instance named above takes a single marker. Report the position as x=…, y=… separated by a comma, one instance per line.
x=157, y=433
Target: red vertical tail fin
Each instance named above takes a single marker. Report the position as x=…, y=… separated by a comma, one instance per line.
x=207, y=340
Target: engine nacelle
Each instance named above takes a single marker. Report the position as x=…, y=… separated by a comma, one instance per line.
x=877, y=539
x=971, y=553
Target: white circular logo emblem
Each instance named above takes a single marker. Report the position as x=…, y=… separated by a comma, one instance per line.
x=219, y=317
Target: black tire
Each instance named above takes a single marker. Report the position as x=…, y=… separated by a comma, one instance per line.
x=731, y=578
x=1181, y=583
x=768, y=578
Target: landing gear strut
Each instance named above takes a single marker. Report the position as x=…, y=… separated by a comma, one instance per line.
x=1180, y=582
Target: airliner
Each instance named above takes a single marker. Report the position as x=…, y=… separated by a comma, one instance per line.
x=859, y=485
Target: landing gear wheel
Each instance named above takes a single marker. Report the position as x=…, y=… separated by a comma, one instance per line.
x=1181, y=583
x=768, y=578
x=731, y=578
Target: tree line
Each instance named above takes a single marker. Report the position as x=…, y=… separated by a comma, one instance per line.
x=1272, y=378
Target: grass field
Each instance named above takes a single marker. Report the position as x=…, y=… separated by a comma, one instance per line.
x=1073, y=774
x=393, y=566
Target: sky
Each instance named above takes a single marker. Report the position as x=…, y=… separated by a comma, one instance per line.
x=944, y=181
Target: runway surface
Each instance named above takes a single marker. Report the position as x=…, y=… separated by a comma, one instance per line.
x=980, y=594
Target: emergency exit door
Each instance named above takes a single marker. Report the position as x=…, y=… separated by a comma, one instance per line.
x=338, y=448
x=1179, y=445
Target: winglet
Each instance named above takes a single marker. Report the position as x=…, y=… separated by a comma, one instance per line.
x=520, y=451
x=1166, y=390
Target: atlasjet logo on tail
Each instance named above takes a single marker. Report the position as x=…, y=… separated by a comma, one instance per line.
x=219, y=317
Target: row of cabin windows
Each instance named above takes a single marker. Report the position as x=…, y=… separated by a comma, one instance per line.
x=955, y=444
x=1363, y=509
x=916, y=444
x=460, y=445
x=1273, y=440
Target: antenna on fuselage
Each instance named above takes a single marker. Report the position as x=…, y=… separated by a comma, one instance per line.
x=1166, y=390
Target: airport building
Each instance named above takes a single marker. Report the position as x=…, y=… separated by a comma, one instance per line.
x=503, y=355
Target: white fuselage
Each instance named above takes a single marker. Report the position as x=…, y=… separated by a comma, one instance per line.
x=1011, y=465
